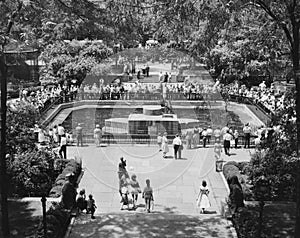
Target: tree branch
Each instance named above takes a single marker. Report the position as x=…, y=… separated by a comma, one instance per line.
x=268, y=10
x=12, y=17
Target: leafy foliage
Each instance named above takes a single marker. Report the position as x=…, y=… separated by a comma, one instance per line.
x=72, y=60
x=20, y=122
x=31, y=173
x=277, y=158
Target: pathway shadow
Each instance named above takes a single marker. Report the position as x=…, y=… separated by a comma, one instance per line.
x=149, y=225
x=23, y=219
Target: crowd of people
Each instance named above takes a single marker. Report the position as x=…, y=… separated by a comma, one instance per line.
x=268, y=97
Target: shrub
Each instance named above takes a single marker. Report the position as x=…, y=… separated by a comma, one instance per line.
x=55, y=192
x=58, y=220
x=31, y=173
x=71, y=167
x=245, y=221
x=230, y=170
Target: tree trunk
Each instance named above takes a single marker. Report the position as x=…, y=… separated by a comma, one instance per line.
x=3, y=179
x=296, y=68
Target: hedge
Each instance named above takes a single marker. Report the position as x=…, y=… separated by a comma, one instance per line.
x=58, y=220
x=233, y=168
x=71, y=167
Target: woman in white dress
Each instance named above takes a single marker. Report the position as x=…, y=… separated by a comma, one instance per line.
x=202, y=198
x=165, y=147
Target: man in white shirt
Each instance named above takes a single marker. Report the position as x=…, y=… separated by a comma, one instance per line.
x=60, y=131
x=176, y=145
x=63, y=147
x=227, y=138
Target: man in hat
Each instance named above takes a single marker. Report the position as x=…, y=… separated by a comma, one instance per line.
x=78, y=131
x=97, y=135
x=69, y=192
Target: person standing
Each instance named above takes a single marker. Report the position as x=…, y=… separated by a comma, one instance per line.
x=189, y=137
x=236, y=138
x=247, y=133
x=60, y=131
x=63, y=147
x=97, y=135
x=196, y=137
x=78, y=131
x=55, y=134
x=204, y=137
x=202, y=198
x=159, y=141
x=209, y=134
x=135, y=189
x=176, y=145
x=122, y=168
x=148, y=195
x=41, y=136
x=217, y=133
x=165, y=146
x=227, y=138
x=218, y=150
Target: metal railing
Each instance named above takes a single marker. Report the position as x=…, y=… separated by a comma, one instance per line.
x=132, y=139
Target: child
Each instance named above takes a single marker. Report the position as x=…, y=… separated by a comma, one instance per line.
x=81, y=201
x=159, y=141
x=91, y=206
x=148, y=195
x=125, y=199
x=202, y=198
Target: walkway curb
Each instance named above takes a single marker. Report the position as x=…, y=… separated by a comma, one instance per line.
x=70, y=227
x=231, y=227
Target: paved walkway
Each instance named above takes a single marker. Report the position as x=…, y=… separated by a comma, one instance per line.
x=175, y=183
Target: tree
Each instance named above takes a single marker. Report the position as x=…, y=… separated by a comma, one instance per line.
x=72, y=60
x=286, y=15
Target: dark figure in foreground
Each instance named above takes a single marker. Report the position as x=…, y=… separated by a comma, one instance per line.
x=69, y=192
x=91, y=206
x=236, y=196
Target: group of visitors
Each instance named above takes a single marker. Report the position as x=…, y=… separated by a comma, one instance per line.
x=268, y=97
x=144, y=91
x=128, y=185
x=163, y=145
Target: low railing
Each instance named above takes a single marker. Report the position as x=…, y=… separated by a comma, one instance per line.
x=132, y=139
x=248, y=100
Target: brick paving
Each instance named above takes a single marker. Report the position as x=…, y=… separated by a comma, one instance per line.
x=175, y=184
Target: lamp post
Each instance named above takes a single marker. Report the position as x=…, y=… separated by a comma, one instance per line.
x=44, y=200
x=262, y=189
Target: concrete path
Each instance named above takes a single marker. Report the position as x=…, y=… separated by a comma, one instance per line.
x=175, y=183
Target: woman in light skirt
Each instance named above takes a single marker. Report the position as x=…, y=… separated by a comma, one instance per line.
x=202, y=198
x=165, y=147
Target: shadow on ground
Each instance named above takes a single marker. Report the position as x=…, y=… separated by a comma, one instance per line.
x=23, y=220
x=149, y=225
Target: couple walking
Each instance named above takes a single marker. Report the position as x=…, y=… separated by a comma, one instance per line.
x=163, y=145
